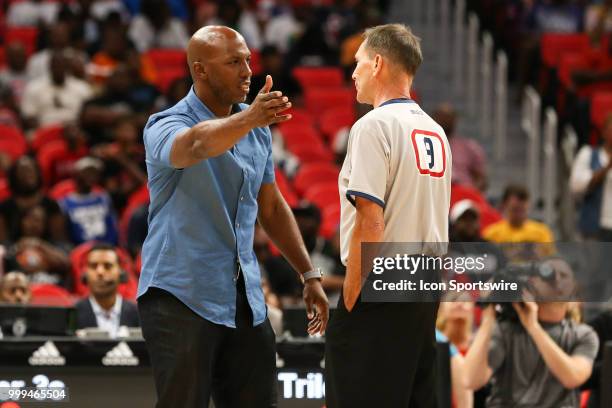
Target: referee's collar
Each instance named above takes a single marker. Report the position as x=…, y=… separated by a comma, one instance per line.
x=396, y=100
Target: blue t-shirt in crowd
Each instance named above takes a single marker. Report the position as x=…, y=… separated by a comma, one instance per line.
x=90, y=217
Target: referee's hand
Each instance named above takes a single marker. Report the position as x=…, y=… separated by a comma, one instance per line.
x=267, y=107
x=317, y=306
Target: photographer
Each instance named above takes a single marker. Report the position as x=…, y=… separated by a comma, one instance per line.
x=538, y=359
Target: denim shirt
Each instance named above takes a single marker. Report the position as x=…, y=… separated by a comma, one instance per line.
x=202, y=218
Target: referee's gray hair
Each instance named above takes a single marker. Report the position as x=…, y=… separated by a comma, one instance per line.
x=396, y=42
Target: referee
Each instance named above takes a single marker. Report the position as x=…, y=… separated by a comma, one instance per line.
x=394, y=187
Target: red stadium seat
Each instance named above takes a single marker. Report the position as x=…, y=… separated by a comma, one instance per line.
x=255, y=62
x=294, y=136
x=78, y=259
x=24, y=35
x=601, y=107
x=44, y=294
x=164, y=59
x=309, y=174
x=319, y=77
x=570, y=62
x=139, y=197
x=45, y=135
x=166, y=76
x=336, y=119
x=300, y=116
x=285, y=188
x=12, y=142
x=308, y=153
x=2, y=58
x=56, y=160
x=319, y=100
x=331, y=220
x=5, y=191
x=552, y=45
x=65, y=187
x=323, y=194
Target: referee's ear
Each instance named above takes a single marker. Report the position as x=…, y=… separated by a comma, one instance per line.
x=378, y=64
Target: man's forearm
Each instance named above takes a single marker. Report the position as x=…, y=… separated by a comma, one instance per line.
x=475, y=365
x=562, y=365
x=214, y=137
x=279, y=224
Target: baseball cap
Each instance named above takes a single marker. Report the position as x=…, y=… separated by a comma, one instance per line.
x=460, y=208
x=88, y=162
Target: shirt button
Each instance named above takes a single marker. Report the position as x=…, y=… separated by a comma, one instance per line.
x=238, y=225
x=241, y=198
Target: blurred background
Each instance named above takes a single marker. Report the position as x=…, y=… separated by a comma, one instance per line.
x=522, y=88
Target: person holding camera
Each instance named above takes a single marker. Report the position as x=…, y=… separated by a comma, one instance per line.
x=539, y=358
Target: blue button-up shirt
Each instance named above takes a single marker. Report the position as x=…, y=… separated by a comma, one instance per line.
x=202, y=218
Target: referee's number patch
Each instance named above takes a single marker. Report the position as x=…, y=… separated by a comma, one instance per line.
x=429, y=151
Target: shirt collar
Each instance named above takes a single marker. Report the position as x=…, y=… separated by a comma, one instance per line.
x=98, y=310
x=396, y=100
x=200, y=107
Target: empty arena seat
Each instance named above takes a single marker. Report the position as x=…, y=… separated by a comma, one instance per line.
x=285, y=188
x=44, y=294
x=318, y=100
x=164, y=58
x=552, y=45
x=335, y=119
x=323, y=194
x=331, y=220
x=310, y=174
x=299, y=135
x=309, y=153
x=601, y=107
x=12, y=142
x=27, y=36
x=56, y=160
x=314, y=77
x=45, y=135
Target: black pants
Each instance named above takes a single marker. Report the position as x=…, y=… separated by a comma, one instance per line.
x=381, y=355
x=193, y=358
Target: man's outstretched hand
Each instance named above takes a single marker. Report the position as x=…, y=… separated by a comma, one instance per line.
x=267, y=106
x=317, y=306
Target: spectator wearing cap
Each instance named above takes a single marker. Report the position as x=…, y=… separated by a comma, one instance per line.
x=56, y=98
x=15, y=288
x=89, y=212
x=14, y=75
x=469, y=159
x=25, y=183
x=591, y=181
x=516, y=227
x=105, y=308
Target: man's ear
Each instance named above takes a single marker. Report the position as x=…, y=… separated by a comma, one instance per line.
x=199, y=70
x=378, y=64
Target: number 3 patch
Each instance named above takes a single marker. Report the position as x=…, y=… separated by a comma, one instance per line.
x=429, y=152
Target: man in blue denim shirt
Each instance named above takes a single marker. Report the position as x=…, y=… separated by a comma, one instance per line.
x=211, y=178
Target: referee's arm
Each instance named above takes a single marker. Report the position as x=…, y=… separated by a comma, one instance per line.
x=369, y=227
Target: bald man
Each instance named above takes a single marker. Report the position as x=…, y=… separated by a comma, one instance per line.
x=211, y=177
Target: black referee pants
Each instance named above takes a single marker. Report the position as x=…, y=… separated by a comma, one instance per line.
x=193, y=358
x=381, y=355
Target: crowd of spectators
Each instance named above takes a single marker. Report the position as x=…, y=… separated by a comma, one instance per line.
x=79, y=79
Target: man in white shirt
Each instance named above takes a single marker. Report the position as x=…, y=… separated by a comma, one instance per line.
x=105, y=308
x=56, y=98
x=394, y=187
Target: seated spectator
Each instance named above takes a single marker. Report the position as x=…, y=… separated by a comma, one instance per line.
x=591, y=180
x=176, y=91
x=539, y=359
x=272, y=64
x=105, y=308
x=25, y=183
x=89, y=213
x=60, y=167
x=516, y=227
x=309, y=46
x=155, y=27
x=56, y=98
x=283, y=27
x=9, y=115
x=116, y=51
x=124, y=162
x=602, y=324
x=32, y=13
x=469, y=158
x=41, y=261
x=34, y=223
x=59, y=42
x=123, y=95
x=461, y=396
x=15, y=288
x=14, y=75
